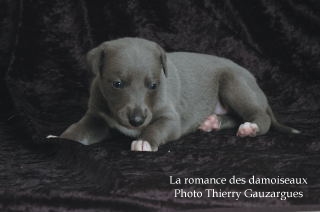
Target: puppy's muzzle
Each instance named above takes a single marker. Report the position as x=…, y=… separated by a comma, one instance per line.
x=136, y=117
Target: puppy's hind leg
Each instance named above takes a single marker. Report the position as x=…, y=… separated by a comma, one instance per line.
x=89, y=130
x=245, y=98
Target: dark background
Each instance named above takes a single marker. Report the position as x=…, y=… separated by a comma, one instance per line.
x=44, y=88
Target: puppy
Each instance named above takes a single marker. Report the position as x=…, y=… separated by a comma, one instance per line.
x=157, y=97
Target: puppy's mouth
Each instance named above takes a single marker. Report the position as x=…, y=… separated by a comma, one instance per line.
x=132, y=127
x=127, y=125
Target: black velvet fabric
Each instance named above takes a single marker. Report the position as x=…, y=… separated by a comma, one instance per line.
x=44, y=88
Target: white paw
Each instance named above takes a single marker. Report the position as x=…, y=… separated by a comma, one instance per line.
x=52, y=136
x=211, y=123
x=248, y=129
x=140, y=145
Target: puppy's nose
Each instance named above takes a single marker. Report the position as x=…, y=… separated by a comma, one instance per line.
x=136, y=118
x=136, y=121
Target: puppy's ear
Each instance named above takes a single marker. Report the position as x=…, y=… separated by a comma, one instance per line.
x=163, y=59
x=96, y=58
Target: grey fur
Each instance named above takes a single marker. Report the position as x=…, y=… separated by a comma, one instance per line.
x=189, y=86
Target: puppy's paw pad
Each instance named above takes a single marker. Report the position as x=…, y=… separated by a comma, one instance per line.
x=211, y=123
x=248, y=129
x=140, y=145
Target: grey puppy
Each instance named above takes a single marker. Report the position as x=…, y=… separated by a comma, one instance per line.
x=157, y=97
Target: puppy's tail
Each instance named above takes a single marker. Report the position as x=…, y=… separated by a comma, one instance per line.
x=280, y=127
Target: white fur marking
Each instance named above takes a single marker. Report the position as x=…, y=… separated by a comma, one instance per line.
x=219, y=109
x=295, y=131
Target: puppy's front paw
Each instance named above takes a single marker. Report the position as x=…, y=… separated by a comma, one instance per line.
x=248, y=129
x=211, y=123
x=140, y=145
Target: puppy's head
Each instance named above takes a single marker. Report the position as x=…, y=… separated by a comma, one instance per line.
x=130, y=72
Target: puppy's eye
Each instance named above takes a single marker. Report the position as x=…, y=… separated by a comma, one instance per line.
x=153, y=86
x=118, y=84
